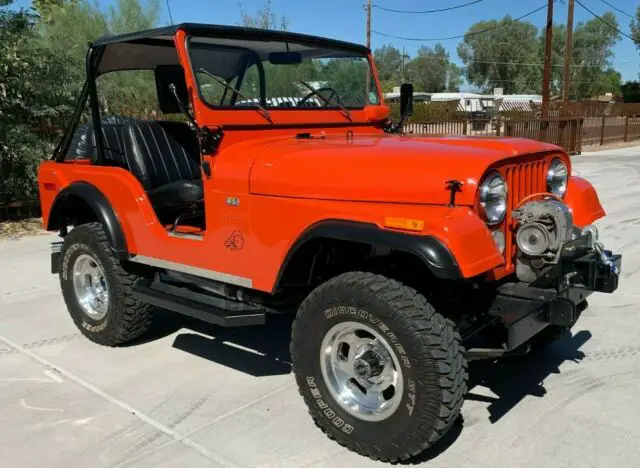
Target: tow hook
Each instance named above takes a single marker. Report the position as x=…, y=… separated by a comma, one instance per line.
x=604, y=256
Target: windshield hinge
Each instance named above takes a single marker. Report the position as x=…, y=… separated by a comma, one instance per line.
x=210, y=140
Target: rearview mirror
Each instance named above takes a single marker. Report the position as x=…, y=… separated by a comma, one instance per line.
x=406, y=100
x=285, y=58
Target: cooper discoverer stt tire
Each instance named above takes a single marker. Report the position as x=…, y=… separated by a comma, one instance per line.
x=380, y=370
x=98, y=291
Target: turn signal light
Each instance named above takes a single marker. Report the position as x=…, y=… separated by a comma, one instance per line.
x=404, y=224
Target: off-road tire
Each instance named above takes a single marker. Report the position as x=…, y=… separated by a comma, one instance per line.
x=127, y=318
x=434, y=367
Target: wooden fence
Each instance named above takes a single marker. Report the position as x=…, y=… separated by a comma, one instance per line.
x=562, y=131
x=610, y=129
x=572, y=125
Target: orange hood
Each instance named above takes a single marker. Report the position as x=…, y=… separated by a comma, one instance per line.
x=382, y=168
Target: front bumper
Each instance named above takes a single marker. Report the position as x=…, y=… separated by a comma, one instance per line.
x=558, y=297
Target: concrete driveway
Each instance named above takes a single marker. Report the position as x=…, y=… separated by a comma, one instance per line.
x=193, y=395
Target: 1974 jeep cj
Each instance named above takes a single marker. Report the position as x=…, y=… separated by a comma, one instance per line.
x=282, y=185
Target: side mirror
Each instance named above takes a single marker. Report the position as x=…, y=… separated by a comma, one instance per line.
x=406, y=100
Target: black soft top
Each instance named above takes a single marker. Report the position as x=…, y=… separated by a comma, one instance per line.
x=231, y=32
x=146, y=49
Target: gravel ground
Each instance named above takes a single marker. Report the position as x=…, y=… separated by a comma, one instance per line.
x=196, y=395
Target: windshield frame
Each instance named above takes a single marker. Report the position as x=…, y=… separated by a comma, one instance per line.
x=374, y=85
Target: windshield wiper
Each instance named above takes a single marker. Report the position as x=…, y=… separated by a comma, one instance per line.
x=263, y=112
x=343, y=110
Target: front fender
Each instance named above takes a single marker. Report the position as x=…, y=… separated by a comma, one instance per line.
x=454, y=244
x=583, y=201
x=462, y=231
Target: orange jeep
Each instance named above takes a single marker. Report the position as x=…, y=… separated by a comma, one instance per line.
x=280, y=185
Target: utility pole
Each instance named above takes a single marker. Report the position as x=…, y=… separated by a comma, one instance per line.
x=369, y=24
x=547, y=60
x=368, y=77
x=566, y=82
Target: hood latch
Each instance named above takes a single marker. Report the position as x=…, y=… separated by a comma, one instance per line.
x=454, y=186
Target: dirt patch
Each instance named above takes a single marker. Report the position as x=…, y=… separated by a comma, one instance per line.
x=25, y=227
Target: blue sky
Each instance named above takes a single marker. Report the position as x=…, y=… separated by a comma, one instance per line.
x=345, y=19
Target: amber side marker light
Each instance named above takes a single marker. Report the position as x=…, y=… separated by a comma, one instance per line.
x=404, y=224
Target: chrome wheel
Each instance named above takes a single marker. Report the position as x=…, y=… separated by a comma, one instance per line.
x=361, y=371
x=90, y=286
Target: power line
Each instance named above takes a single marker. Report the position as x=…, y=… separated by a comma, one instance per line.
x=603, y=21
x=438, y=10
x=618, y=9
x=532, y=64
x=475, y=33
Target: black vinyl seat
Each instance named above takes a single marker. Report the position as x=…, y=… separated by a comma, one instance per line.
x=164, y=158
x=112, y=126
x=163, y=155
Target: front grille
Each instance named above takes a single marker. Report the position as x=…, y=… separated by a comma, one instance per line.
x=523, y=179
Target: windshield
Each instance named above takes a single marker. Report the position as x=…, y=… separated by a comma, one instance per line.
x=280, y=75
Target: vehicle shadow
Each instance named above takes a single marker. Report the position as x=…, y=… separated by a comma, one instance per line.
x=258, y=351
x=513, y=379
x=264, y=351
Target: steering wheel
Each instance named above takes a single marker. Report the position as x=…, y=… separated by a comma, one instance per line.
x=316, y=92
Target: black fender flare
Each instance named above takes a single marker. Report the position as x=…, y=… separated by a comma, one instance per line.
x=429, y=249
x=100, y=206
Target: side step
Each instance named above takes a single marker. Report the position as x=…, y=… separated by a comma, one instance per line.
x=203, y=307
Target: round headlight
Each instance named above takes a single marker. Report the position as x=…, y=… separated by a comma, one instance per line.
x=493, y=198
x=557, y=177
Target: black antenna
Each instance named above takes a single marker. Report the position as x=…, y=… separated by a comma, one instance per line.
x=169, y=10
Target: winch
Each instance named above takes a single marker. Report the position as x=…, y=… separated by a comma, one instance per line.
x=543, y=227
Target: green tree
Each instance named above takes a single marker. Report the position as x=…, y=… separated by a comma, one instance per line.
x=512, y=57
x=42, y=54
x=264, y=18
x=388, y=59
x=635, y=28
x=33, y=97
x=592, y=73
x=493, y=59
x=430, y=70
x=454, y=77
x=74, y=24
x=43, y=8
x=631, y=91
